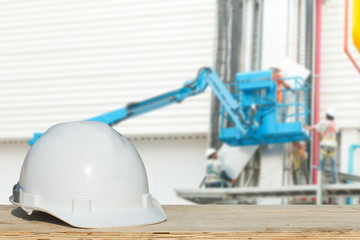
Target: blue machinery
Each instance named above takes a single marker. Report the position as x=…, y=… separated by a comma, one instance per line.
x=267, y=120
x=352, y=148
x=250, y=113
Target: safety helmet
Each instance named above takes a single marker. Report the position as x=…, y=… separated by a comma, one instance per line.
x=209, y=152
x=274, y=68
x=331, y=112
x=88, y=175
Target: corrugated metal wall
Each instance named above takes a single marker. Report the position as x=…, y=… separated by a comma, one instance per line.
x=65, y=60
x=301, y=32
x=340, y=82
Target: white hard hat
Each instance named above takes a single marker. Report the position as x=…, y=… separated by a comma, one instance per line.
x=331, y=112
x=88, y=175
x=275, y=68
x=210, y=152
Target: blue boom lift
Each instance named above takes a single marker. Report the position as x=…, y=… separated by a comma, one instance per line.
x=250, y=111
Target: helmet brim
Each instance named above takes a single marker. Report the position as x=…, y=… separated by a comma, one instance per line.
x=121, y=218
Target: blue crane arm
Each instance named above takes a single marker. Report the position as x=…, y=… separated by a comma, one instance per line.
x=190, y=88
x=138, y=108
x=231, y=105
x=206, y=76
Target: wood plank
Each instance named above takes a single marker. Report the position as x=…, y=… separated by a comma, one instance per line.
x=200, y=222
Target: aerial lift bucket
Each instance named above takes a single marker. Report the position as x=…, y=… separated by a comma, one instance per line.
x=273, y=121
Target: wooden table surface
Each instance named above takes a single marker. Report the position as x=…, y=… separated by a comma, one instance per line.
x=200, y=222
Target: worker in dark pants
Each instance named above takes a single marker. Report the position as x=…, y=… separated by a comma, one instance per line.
x=216, y=177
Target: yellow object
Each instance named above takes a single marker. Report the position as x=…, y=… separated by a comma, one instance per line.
x=298, y=155
x=356, y=24
x=328, y=154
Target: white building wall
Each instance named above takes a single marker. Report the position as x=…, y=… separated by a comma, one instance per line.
x=72, y=60
x=340, y=81
x=67, y=60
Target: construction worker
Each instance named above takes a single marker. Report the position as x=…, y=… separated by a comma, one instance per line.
x=276, y=77
x=216, y=177
x=328, y=144
x=299, y=158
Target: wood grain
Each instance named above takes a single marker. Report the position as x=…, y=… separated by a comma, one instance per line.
x=200, y=222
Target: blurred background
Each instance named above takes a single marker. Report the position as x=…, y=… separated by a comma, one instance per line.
x=72, y=60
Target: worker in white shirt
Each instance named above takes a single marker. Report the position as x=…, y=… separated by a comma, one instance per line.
x=328, y=143
x=216, y=177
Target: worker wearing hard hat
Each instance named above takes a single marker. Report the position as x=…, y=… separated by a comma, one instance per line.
x=216, y=177
x=279, y=82
x=277, y=78
x=328, y=144
x=299, y=158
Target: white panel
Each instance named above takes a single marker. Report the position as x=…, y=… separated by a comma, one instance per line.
x=235, y=159
x=340, y=82
x=274, y=40
x=172, y=164
x=271, y=173
x=180, y=165
x=68, y=60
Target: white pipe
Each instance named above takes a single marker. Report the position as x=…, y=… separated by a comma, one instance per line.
x=260, y=30
x=249, y=9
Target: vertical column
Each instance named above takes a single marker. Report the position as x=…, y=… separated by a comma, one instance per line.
x=274, y=49
x=274, y=32
x=316, y=112
x=248, y=37
x=271, y=171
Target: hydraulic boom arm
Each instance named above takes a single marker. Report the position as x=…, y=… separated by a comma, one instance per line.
x=206, y=76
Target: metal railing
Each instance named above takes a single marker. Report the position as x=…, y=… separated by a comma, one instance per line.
x=296, y=109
